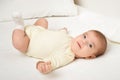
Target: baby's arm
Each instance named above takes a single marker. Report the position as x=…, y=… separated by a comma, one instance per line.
x=51, y=63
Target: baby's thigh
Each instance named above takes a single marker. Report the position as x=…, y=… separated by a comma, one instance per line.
x=20, y=40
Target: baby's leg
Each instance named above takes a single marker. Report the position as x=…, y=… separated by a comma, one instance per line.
x=19, y=38
x=42, y=22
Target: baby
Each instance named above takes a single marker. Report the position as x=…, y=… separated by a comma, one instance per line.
x=55, y=48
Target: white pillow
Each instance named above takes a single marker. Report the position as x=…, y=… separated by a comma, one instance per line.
x=37, y=8
x=116, y=35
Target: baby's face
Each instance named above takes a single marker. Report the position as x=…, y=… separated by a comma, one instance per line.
x=85, y=45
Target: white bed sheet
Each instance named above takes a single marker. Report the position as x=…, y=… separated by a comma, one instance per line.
x=16, y=66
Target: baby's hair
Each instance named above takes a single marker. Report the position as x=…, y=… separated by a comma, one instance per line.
x=103, y=39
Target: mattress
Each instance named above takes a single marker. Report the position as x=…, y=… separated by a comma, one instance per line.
x=17, y=66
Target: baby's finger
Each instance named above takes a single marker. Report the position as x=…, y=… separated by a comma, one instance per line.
x=43, y=67
x=48, y=63
x=38, y=63
x=40, y=67
x=48, y=67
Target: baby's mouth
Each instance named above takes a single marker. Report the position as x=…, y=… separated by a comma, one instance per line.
x=78, y=44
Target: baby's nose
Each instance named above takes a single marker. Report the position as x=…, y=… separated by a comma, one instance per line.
x=84, y=42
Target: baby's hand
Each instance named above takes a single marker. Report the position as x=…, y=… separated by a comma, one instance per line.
x=44, y=67
x=64, y=29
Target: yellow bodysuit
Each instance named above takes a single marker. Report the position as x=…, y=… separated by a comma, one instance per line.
x=48, y=45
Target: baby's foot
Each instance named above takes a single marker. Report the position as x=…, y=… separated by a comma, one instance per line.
x=18, y=20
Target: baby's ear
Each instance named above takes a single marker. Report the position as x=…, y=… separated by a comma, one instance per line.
x=90, y=57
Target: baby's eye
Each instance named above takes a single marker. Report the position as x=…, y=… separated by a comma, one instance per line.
x=90, y=45
x=84, y=36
